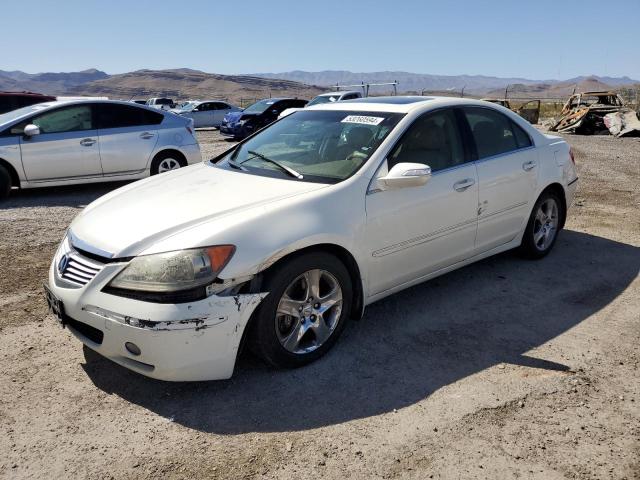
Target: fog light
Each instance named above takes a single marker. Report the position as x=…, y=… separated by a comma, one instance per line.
x=132, y=348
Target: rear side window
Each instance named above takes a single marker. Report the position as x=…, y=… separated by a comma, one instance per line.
x=493, y=132
x=110, y=115
x=6, y=103
x=70, y=119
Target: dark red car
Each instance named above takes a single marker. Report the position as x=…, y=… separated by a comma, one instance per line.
x=13, y=100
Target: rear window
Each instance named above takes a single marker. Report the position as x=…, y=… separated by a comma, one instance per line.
x=120, y=116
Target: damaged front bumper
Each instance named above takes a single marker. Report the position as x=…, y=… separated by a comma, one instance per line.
x=176, y=342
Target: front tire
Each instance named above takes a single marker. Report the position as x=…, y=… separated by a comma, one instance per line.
x=305, y=312
x=544, y=224
x=5, y=183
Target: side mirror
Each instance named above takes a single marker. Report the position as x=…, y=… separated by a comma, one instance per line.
x=407, y=175
x=31, y=130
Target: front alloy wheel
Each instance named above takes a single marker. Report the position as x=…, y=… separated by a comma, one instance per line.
x=309, y=302
x=308, y=311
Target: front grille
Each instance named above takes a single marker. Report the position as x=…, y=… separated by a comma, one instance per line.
x=77, y=269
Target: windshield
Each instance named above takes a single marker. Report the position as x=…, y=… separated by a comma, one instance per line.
x=320, y=146
x=260, y=106
x=323, y=99
x=187, y=106
x=14, y=114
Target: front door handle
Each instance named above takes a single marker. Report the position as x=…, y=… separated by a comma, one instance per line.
x=146, y=135
x=462, y=185
x=87, y=142
x=526, y=166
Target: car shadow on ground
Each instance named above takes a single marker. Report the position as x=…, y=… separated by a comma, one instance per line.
x=77, y=196
x=406, y=346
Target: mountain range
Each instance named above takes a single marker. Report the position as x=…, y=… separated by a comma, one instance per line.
x=186, y=83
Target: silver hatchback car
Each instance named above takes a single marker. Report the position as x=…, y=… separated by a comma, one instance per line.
x=85, y=141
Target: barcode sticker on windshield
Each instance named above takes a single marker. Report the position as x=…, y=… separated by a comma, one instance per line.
x=362, y=119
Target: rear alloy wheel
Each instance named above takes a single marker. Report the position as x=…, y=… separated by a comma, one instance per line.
x=166, y=162
x=542, y=230
x=307, y=307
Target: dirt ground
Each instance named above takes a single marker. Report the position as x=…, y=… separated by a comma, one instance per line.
x=504, y=369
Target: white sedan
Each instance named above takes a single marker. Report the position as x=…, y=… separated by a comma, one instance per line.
x=86, y=141
x=286, y=236
x=208, y=113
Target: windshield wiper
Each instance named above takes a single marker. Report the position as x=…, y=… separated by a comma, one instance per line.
x=283, y=167
x=235, y=164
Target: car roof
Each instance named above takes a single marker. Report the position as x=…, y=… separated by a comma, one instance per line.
x=400, y=104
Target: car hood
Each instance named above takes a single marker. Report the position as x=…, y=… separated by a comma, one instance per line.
x=130, y=219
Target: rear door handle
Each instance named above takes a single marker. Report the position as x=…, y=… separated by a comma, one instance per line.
x=87, y=142
x=462, y=185
x=526, y=166
x=146, y=135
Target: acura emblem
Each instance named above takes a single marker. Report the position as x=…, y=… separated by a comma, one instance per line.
x=63, y=263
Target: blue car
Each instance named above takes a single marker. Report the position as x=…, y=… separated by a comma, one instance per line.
x=239, y=125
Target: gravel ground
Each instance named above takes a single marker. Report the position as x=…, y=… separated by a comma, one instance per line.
x=503, y=369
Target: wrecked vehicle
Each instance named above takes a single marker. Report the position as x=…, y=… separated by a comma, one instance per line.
x=584, y=113
x=530, y=110
x=623, y=123
x=280, y=240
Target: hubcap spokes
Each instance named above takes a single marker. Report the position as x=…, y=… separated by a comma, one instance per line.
x=308, y=311
x=545, y=225
x=168, y=164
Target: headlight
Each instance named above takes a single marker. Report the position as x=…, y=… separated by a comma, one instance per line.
x=174, y=271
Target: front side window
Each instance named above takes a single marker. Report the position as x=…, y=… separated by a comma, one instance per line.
x=69, y=119
x=494, y=133
x=322, y=146
x=433, y=139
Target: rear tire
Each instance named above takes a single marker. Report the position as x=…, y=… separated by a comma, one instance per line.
x=5, y=183
x=167, y=161
x=543, y=227
x=292, y=340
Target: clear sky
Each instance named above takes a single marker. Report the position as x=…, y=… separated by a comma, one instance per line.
x=534, y=39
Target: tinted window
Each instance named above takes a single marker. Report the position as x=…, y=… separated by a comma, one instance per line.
x=220, y=106
x=70, y=119
x=6, y=104
x=433, y=139
x=350, y=96
x=522, y=138
x=492, y=132
x=110, y=115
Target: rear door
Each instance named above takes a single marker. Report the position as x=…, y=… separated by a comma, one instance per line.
x=220, y=109
x=128, y=136
x=507, y=175
x=67, y=146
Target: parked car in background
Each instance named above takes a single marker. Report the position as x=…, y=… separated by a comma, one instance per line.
x=161, y=103
x=207, y=113
x=243, y=123
x=529, y=110
x=85, y=141
x=183, y=105
x=139, y=102
x=14, y=100
x=282, y=239
x=330, y=97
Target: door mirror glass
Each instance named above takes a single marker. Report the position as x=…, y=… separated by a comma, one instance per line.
x=406, y=175
x=31, y=130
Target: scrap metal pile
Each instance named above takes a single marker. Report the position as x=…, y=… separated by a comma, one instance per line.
x=593, y=113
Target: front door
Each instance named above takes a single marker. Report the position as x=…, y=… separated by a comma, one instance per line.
x=415, y=231
x=67, y=146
